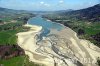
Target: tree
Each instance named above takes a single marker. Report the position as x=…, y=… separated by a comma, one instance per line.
x=81, y=32
x=98, y=61
x=0, y=28
x=1, y=21
x=6, y=53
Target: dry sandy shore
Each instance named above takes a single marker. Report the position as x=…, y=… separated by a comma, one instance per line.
x=58, y=49
x=27, y=41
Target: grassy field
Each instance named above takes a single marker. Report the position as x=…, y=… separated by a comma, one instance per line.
x=18, y=61
x=93, y=29
x=15, y=61
x=89, y=28
x=9, y=36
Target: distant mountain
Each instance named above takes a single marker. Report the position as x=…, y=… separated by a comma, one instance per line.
x=9, y=11
x=51, y=12
x=5, y=10
x=90, y=14
x=61, y=11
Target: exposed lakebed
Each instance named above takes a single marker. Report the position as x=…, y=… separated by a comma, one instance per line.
x=59, y=46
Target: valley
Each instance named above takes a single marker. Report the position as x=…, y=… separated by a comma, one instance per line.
x=46, y=38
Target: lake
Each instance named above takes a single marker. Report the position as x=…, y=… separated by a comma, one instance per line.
x=46, y=25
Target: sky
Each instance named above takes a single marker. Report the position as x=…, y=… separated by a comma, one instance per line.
x=47, y=5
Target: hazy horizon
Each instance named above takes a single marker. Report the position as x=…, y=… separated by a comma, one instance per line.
x=47, y=5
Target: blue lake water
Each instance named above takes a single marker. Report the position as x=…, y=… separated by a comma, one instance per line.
x=46, y=25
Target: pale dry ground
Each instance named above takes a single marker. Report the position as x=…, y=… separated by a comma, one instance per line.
x=28, y=43
x=85, y=51
x=60, y=48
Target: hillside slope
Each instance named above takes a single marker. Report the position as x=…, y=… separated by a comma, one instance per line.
x=90, y=14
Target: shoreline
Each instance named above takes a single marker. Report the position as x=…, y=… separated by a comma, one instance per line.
x=71, y=29
x=80, y=47
x=27, y=41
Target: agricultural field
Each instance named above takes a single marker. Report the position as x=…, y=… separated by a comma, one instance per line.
x=15, y=61
x=18, y=61
x=11, y=24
